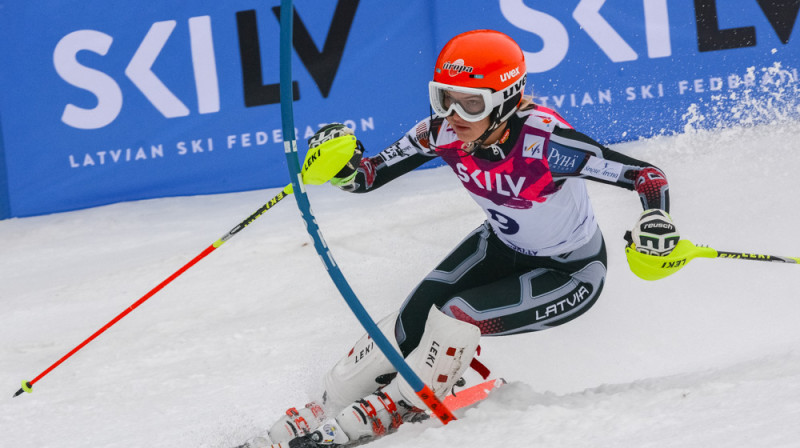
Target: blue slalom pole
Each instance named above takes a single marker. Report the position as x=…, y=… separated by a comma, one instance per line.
x=290, y=147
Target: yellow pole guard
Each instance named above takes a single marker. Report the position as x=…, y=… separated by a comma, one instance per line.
x=324, y=161
x=652, y=267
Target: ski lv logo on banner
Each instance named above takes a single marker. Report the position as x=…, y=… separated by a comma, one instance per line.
x=322, y=65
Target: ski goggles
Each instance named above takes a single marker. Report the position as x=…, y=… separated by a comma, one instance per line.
x=471, y=104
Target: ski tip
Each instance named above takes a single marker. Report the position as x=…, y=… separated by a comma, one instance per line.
x=26, y=387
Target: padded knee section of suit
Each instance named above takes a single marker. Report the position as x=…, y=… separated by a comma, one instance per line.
x=443, y=354
x=354, y=376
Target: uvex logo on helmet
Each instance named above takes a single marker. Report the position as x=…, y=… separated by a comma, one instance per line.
x=456, y=67
x=509, y=75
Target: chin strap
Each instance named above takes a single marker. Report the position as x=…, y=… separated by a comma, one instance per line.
x=495, y=123
x=477, y=143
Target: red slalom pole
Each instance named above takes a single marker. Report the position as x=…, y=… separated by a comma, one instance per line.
x=27, y=386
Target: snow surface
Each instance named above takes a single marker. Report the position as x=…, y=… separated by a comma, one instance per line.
x=709, y=357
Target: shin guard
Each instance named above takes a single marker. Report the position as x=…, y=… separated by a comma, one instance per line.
x=360, y=372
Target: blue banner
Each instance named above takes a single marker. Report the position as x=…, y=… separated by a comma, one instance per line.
x=5, y=210
x=108, y=101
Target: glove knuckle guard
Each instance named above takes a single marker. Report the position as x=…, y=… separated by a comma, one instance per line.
x=328, y=132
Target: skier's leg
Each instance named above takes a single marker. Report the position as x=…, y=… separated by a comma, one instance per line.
x=363, y=370
x=541, y=292
x=549, y=292
x=444, y=353
x=479, y=259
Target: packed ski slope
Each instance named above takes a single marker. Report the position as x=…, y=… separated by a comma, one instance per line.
x=709, y=357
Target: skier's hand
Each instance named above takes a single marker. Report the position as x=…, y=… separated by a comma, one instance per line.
x=655, y=233
x=347, y=174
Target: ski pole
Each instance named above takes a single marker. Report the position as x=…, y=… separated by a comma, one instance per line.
x=757, y=257
x=27, y=386
x=319, y=167
x=651, y=267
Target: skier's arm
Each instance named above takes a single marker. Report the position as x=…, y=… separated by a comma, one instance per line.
x=399, y=158
x=591, y=160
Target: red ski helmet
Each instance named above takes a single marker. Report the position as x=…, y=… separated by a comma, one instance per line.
x=486, y=63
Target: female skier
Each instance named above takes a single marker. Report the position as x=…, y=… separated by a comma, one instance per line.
x=539, y=259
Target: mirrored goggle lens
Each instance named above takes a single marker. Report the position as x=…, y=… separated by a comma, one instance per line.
x=469, y=104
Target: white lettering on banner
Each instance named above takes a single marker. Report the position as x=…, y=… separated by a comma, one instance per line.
x=713, y=84
x=644, y=92
x=602, y=169
x=108, y=93
x=656, y=26
x=116, y=156
x=587, y=13
x=576, y=99
x=261, y=138
x=197, y=146
x=188, y=147
x=139, y=71
x=204, y=64
x=716, y=84
x=503, y=183
x=547, y=27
